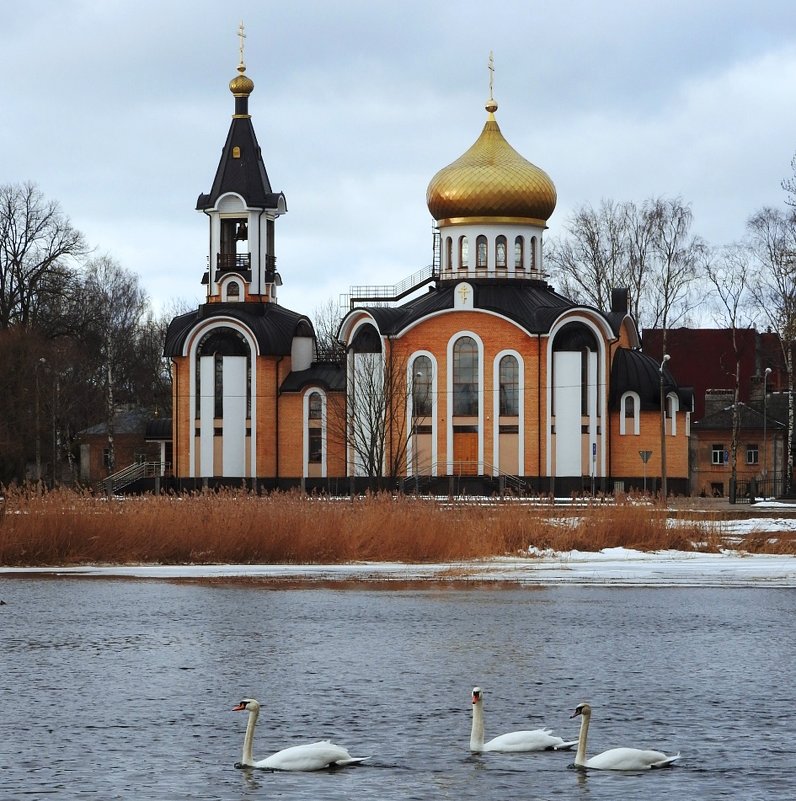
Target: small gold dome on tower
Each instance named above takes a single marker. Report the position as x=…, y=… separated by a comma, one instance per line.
x=241, y=85
x=491, y=180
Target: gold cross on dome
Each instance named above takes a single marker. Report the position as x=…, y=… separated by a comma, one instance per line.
x=241, y=37
x=491, y=68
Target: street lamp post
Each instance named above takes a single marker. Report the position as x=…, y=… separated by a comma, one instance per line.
x=765, y=420
x=37, y=444
x=664, y=492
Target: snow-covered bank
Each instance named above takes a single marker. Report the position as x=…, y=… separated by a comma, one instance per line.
x=618, y=567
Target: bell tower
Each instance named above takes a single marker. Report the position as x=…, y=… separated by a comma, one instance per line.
x=242, y=209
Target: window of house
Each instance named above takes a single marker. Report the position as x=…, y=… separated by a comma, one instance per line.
x=464, y=256
x=509, y=378
x=315, y=445
x=465, y=377
x=480, y=252
x=315, y=406
x=752, y=453
x=500, y=252
x=421, y=387
x=518, y=253
x=717, y=453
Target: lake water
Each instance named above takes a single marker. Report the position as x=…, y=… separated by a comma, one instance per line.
x=121, y=689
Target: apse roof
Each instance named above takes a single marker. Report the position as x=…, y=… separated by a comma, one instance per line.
x=532, y=304
x=634, y=371
x=325, y=374
x=273, y=326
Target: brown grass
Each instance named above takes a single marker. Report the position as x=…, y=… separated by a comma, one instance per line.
x=64, y=527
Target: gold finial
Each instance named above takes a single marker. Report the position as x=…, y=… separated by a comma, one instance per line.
x=491, y=104
x=241, y=37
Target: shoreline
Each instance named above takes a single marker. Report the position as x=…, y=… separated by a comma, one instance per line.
x=611, y=567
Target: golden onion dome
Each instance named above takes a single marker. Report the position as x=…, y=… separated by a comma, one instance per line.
x=241, y=85
x=491, y=180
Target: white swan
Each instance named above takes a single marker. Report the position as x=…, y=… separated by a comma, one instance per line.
x=313, y=756
x=514, y=741
x=616, y=758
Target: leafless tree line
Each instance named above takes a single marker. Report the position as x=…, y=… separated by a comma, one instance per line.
x=77, y=339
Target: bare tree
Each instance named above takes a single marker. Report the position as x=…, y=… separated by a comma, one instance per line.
x=773, y=241
x=326, y=320
x=648, y=248
x=370, y=418
x=116, y=307
x=789, y=184
x=37, y=247
x=677, y=257
x=590, y=259
x=729, y=274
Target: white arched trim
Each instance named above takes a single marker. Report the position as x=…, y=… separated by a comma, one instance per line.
x=673, y=402
x=306, y=426
x=225, y=285
x=410, y=374
x=449, y=405
x=353, y=321
x=189, y=350
x=622, y=413
x=602, y=333
x=496, y=411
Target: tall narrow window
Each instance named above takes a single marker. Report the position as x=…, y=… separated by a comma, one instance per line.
x=421, y=387
x=315, y=405
x=448, y=253
x=500, y=252
x=465, y=377
x=532, y=254
x=480, y=252
x=464, y=257
x=509, y=376
x=519, y=263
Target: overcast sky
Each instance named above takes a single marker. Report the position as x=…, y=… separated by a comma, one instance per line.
x=118, y=110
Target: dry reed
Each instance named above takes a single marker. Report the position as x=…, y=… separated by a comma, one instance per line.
x=64, y=527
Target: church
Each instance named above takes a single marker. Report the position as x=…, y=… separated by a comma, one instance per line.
x=473, y=375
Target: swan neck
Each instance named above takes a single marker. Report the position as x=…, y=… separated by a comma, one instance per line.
x=246, y=757
x=580, y=757
x=477, y=731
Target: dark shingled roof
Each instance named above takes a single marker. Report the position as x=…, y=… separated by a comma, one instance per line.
x=245, y=175
x=532, y=304
x=273, y=326
x=129, y=422
x=328, y=375
x=634, y=371
x=748, y=417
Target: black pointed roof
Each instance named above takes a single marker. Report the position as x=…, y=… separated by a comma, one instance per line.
x=241, y=169
x=635, y=371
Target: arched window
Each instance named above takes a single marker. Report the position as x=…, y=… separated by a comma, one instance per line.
x=465, y=377
x=480, y=252
x=314, y=433
x=464, y=257
x=519, y=264
x=673, y=404
x=448, y=253
x=422, y=376
x=500, y=252
x=532, y=254
x=509, y=377
x=629, y=414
